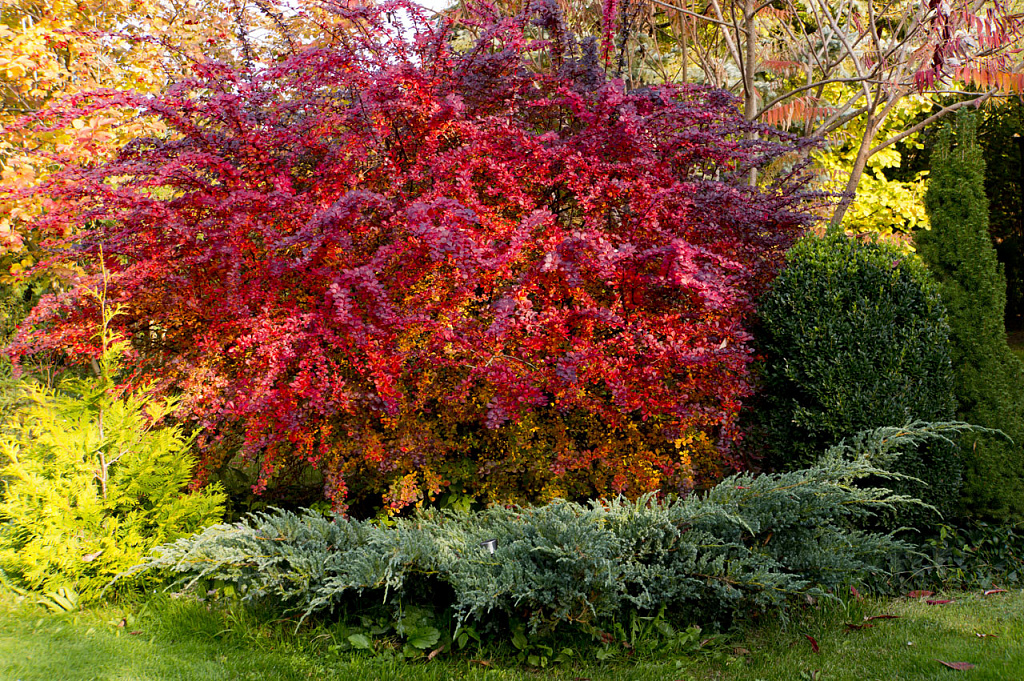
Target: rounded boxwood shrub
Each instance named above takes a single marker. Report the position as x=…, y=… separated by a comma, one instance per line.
x=853, y=335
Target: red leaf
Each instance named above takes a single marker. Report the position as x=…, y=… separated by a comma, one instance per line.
x=881, y=617
x=995, y=591
x=920, y=594
x=858, y=627
x=814, y=644
x=959, y=666
x=938, y=602
x=855, y=593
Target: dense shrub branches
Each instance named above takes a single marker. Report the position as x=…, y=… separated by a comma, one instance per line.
x=407, y=265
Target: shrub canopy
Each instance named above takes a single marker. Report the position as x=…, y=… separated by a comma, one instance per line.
x=411, y=267
x=854, y=335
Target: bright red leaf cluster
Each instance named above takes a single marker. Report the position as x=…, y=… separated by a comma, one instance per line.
x=411, y=266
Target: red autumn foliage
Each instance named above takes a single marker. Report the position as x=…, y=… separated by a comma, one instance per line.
x=409, y=266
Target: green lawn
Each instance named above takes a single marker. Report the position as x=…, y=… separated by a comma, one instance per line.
x=185, y=640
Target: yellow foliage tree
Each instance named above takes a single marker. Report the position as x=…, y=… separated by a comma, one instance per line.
x=53, y=49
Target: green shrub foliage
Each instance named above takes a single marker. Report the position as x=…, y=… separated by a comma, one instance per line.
x=853, y=336
x=989, y=377
x=751, y=542
x=92, y=483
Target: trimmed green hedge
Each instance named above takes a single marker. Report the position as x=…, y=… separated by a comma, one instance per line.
x=853, y=335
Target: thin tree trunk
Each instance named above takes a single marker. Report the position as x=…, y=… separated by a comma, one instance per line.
x=871, y=127
x=749, y=69
x=855, y=174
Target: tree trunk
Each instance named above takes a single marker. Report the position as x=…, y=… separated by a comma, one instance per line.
x=749, y=69
x=871, y=127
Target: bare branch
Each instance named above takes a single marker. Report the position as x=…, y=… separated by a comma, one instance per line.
x=804, y=88
x=934, y=117
x=689, y=13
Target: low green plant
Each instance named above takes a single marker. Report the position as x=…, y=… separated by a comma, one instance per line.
x=853, y=335
x=93, y=482
x=975, y=555
x=753, y=542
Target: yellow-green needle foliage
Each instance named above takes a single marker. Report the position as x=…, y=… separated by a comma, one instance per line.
x=93, y=482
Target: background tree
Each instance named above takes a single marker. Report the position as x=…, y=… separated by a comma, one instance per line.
x=65, y=49
x=825, y=69
x=989, y=378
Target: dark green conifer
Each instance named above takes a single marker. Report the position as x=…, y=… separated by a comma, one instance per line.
x=989, y=378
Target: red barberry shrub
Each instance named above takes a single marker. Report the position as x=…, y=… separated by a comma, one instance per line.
x=410, y=266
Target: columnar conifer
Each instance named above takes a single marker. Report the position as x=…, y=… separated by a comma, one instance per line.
x=989, y=378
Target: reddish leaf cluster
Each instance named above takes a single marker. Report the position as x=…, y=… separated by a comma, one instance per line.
x=408, y=265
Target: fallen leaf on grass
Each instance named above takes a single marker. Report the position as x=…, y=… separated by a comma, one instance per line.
x=858, y=627
x=959, y=666
x=980, y=635
x=814, y=644
x=920, y=593
x=855, y=593
x=434, y=653
x=938, y=602
x=995, y=591
x=740, y=651
x=881, y=617
x=482, y=663
x=134, y=633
